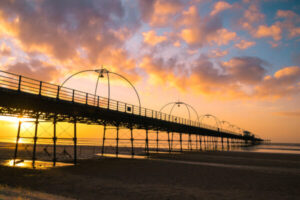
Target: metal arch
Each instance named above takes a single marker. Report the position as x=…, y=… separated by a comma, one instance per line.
x=209, y=115
x=174, y=104
x=240, y=129
x=107, y=72
x=226, y=122
x=194, y=111
x=137, y=94
x=187, y=107
x=88, y=70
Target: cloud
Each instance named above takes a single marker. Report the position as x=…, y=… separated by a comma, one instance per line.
x=250, y=70
x=59, y=29
x=166, y=72
x=251, y=17
x=284, y=82
x=273, y=31
x=291, y=20
x=202, y=76
x=238, y=78
x=198, y=32
x=243, y=44
x=218, y=53
x=152, y=39
x=219, y=7
x=35, y=69
x=159, y=13
x=289, y=113
x=288, y=14
x=72, y=35
x=5, y=50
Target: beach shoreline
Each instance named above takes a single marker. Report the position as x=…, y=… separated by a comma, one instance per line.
x=189, y=175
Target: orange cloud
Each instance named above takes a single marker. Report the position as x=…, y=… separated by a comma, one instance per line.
x=197, y=32
x=218, y=53
x=159, y=12
x=287, y=14
x=285, y=82
x=35, y=69
x=5, y=50
x=152, y=39
x=289, y=24
x=73, y=36
x=243, y=44
x=251, y=17
x=273, y=31
x=289, y=113
x=222, y=37
x=219, y=7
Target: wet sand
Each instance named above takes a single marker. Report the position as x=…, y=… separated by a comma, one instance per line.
x=201, y=175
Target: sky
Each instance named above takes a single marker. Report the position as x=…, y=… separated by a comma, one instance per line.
x=236, y=60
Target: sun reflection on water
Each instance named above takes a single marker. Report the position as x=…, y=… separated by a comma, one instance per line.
x=37, y=165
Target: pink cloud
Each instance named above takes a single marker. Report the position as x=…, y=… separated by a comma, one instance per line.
x=273, y=31
x=243, y=44
x=35, y=69
x=159, y=13
x=219, y=7
x=152, y=39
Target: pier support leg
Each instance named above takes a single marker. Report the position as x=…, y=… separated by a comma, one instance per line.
x=117, y=142
x=147, y=143
x=75, y=141
x=35, y=140
x=103, y=139
x=200, y=143
x=54, y=141
x=222, y=143
x=172, y=141
x=196, y=142
x=17, y=141
x=169, y=142
x=190, y=142
x=180, y=140
x=157, y=140
x=228, y=146
x=132, y=140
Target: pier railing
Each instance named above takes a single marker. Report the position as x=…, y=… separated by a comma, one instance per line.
x=28, y=85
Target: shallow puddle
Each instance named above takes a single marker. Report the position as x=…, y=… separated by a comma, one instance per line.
x=37, y=165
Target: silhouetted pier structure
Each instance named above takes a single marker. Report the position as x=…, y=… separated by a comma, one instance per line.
x=45, y=102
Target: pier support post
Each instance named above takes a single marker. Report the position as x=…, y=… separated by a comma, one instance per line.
x=75, y=141
x=228, y=146
x=157, y=140
x=172, y=141
x=35, y=140
x=131, y=139
x=222, y=143
x=117, y=142
x=197, y=142
x=17, y=141
x=54, y=141
x=180, y=140
x=190, y=142
x=147, y=143
x=169, y=142
x=103, y=139
x=200, y=143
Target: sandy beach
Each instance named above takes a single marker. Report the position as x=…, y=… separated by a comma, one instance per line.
x=194, y=175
